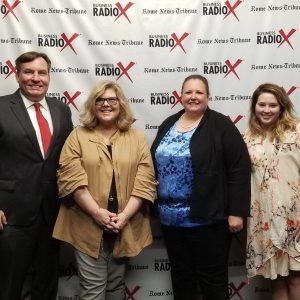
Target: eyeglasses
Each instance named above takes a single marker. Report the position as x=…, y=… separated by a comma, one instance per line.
x=110, y=101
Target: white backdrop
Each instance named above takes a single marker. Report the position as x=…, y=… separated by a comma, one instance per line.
x=149, y=47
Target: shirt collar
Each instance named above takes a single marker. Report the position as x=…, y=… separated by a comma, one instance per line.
x=29, y=103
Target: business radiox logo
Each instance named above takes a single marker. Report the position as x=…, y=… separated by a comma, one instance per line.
x=7, y=9
x=228, y=67
x=129, y=293
x=235, y=290
x=7, y=68
x=291, y=90
x=116, y=10
x=62, y=41
x=165, y=98
x=172, y=41
x=66, y=97
x=279, y=38
x=228, y=9
x=118, y=70
x=235, y=119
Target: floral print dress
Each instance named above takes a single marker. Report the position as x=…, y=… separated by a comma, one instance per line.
x=275, y=202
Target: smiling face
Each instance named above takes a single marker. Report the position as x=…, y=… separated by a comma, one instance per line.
x=194, y=97
x=267, y=110
x=33, y=78
x=108, y=114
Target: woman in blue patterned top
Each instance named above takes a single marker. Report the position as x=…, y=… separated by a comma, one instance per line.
x=203, y=169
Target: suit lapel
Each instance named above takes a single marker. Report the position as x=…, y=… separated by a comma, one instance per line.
x=20, y=111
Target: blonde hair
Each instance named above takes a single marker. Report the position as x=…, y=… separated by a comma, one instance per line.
x=287, y=120
x=88, y=116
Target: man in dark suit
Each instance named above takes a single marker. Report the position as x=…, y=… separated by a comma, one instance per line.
x=31, y=139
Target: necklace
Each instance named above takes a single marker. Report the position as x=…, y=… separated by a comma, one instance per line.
x=190, y=125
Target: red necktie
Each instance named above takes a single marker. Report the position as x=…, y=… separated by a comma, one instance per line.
x=44, y=127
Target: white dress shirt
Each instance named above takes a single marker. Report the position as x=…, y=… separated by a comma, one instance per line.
x=45, y=112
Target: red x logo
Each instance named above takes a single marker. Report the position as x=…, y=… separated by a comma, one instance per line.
x=178, y=98
x=291, y=90
x=179, y=40
x=286, y=37
x=129, y=294
x=69, y=41
x=123, y=10
x=237, y=119
x=71, y=99
x=236, y=290
x=125, y=69
x=12, y=68
x=10, y=9
x=232, y=8
x=232, y=67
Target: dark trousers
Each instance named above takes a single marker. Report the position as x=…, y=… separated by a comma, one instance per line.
x=24, y=249
x=198, y=258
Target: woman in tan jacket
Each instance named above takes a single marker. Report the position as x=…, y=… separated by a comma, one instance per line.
x=106, y=182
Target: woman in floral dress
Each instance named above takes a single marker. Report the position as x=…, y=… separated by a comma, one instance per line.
x=273, y=241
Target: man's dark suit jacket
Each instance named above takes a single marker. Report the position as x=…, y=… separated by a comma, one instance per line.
x=27, y=180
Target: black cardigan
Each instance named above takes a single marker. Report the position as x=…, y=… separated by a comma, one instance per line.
x=221, y=164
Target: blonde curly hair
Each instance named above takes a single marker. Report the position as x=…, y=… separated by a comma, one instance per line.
x=88, y=116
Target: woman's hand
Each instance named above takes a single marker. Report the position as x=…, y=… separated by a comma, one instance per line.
x=105, y=219
x=296, y=232
x=2, y=220
x=132, y=206
x=101, y=216
x=121, y=220
x=235, y=224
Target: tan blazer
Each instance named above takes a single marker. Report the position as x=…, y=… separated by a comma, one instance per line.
x=85, y=161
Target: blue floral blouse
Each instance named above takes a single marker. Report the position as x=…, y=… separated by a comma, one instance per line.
x=175, y=176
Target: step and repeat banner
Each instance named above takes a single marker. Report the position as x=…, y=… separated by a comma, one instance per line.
x=149, y=47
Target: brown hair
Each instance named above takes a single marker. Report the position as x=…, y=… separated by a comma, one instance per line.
x=88, y=116
x=287, y=120
x=30, y=56
x=199, y=77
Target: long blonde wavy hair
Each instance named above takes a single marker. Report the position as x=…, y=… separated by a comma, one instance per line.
x=287, y=120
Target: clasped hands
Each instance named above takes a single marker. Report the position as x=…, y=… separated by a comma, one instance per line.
x=109, y=221
x=235, y=224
